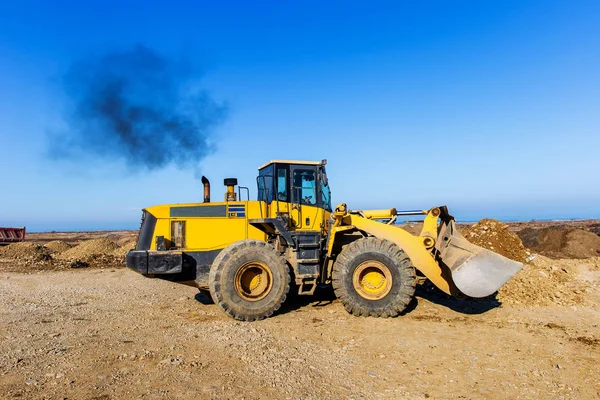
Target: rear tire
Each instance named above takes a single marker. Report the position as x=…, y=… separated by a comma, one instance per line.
x=374, y=277
x=249, y=280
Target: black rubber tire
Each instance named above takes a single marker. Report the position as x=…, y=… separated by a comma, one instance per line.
x=222, y=280
x=394, y=258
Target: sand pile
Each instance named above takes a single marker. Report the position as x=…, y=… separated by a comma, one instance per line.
x=561, y=242
x=544, y=282
x=58, y=246
x=495, y=236
x=122, y=251
x=89, y=249
x=412, y=228
x=27, y=257
x=125, y=240
x=26, y=251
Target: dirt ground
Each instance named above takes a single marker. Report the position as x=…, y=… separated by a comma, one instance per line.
x=109, y=333
x=119, y=237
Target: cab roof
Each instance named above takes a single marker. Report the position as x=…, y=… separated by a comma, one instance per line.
x=299, y=162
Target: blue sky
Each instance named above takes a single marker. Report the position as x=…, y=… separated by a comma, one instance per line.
x=489, y=107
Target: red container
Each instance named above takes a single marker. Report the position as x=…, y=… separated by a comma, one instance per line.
x=11, y=235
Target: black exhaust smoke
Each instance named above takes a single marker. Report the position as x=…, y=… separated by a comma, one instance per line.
x=137, y=107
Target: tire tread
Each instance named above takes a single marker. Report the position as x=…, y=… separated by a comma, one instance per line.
x=221, y=296
x=342, y=278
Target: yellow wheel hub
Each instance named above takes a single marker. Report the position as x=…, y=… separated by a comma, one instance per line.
x=253, y=281
x=372, y=280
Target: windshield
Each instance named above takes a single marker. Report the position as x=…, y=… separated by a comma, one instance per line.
x=325, y=191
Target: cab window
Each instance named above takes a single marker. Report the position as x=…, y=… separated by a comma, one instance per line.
x=265, y=184
x=304, y=186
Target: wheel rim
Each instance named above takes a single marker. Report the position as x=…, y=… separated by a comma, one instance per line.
x=372, y=280
x=253, y=281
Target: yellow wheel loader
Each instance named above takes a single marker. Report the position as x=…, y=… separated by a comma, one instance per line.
x=250, y=254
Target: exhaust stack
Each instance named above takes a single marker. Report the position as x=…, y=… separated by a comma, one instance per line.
x=206, y=184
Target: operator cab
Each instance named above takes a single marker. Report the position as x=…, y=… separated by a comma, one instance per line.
x=297, y=182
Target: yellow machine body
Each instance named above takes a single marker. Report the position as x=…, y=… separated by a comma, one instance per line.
x=206, y=232
x=206, y=228
x=294, y=214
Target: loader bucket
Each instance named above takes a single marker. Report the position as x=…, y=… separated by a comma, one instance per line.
x=476, y=272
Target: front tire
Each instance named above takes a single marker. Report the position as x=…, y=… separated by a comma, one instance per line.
x=249, y=280
x=374, y=277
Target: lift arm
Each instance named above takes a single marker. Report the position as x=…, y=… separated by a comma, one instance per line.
x=440, y=252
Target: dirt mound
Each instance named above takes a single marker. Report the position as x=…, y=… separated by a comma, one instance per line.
x=582, y=244
x=544, y=282
x=92, y=261
x=122, y=251
x=125, y=239
x=27, y=257
x=89, y=249
x=495, y=236
x=58, y=246
x=25, y=250
x=595, y=228
x=561, y=242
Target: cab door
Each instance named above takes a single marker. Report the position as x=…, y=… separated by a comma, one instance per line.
x=305, y=212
